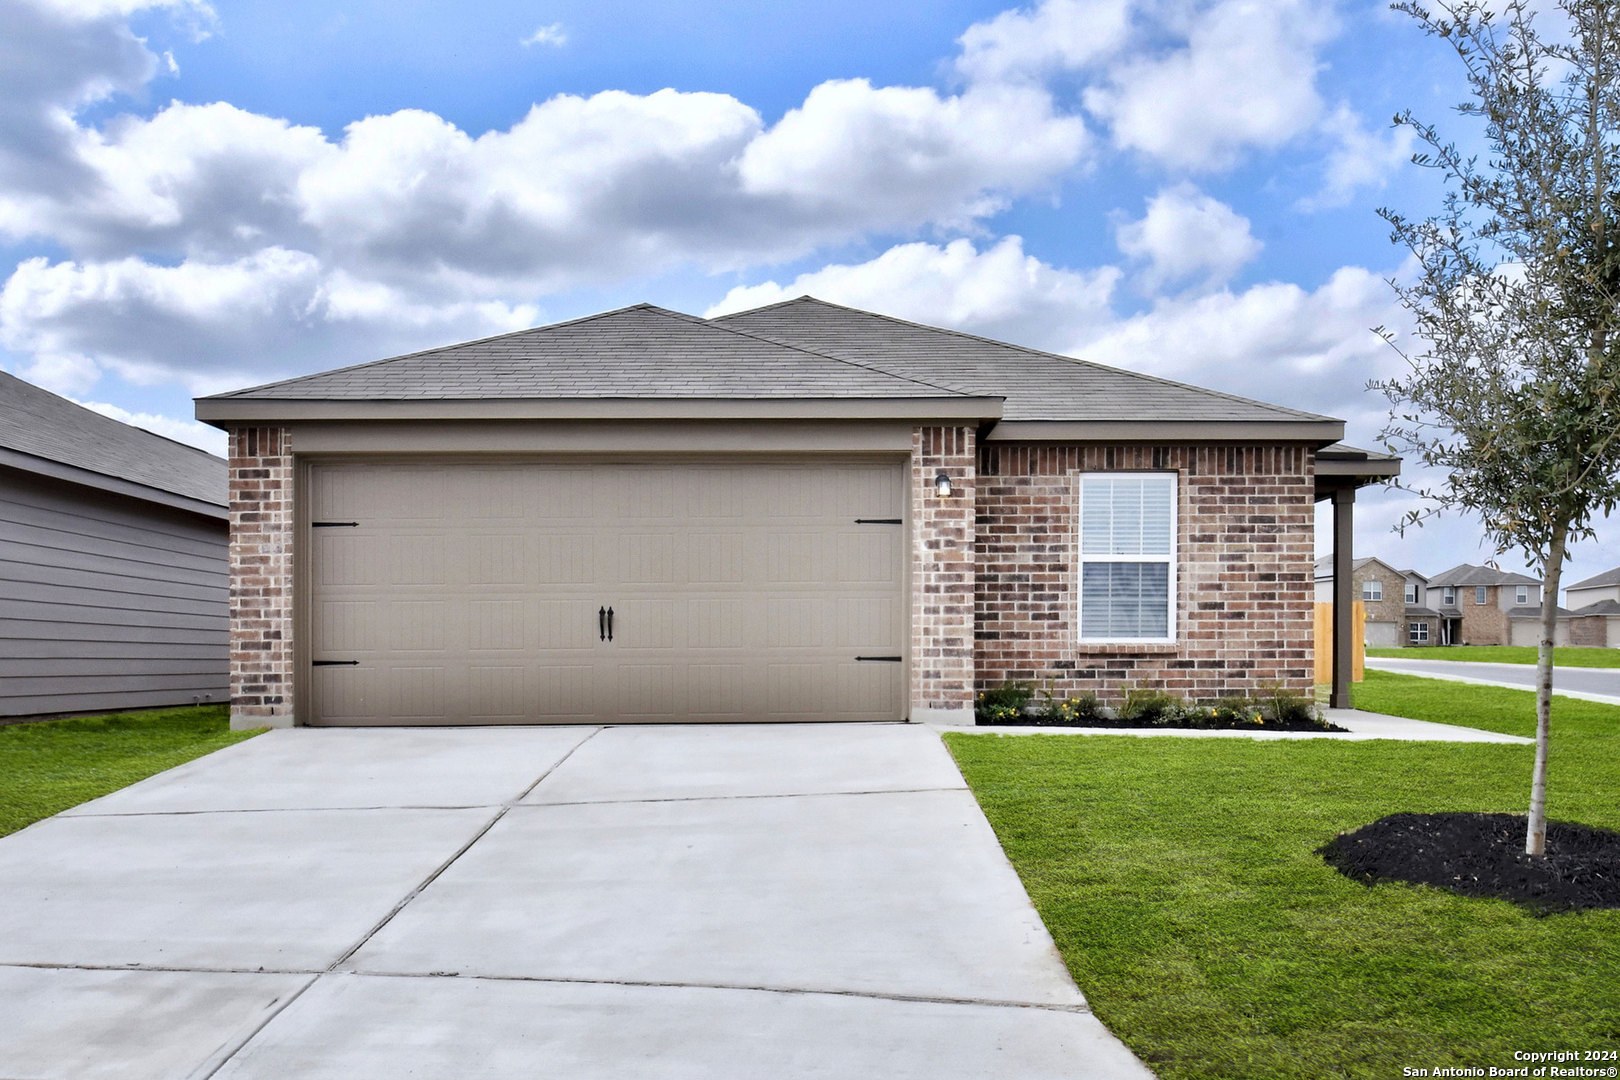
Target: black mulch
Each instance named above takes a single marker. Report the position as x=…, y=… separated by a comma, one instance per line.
x=1483, y=855
x=1179, y=723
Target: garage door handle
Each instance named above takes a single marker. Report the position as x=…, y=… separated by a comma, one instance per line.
x=881, y=659
x=601, y=624
x=610, y=624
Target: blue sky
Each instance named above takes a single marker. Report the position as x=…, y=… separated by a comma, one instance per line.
x=197, y=197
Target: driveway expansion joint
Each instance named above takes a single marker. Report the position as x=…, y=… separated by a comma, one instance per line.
x=732, y=798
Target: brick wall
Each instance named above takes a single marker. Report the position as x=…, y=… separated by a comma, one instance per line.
x=1591, y=631
x=261, y=556
x=1483, y=624
x=1245, y=544
x=942, y=548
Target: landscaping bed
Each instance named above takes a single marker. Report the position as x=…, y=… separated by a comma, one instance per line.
x=1018, y=704
x=1483, y=855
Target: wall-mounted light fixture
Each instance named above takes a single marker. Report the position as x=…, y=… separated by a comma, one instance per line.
x=942, y=486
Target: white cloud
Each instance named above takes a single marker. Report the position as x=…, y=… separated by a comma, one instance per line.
x=999, y=291
x=1359, y=159
x=1246, y=77
x=189, y=432
x=1027, y=43
x=902, y=156
x=553, y=35
x=1186, y=234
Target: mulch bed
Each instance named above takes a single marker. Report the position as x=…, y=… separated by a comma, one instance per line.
x=1202, y=725
x=1483, y=855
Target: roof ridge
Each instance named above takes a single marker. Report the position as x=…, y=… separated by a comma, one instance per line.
x=437, y=348
x=1034, y=352
x=829, y=356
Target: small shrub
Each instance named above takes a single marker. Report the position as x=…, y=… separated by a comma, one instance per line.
x=1233, y=711
x=1150, y=707
x=1004, y=705
x=1082, y=710
x=1283, y=706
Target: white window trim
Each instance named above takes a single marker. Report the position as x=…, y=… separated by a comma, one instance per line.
x=1521, y=594
x=1448, y=596
x=1367, y=587
x=1411, y=594
x=1080, y=558
x=1481, y=598
x=1418, y=633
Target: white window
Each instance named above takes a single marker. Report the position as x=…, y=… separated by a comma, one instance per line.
x=1521, y=594
x=1479, y=594
x=1127, y=556
x=1419, y=633
x=1448, y=596
x=1372, y=590
x=1411, y=593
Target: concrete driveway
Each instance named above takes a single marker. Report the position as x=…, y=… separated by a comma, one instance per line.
x=725, y=901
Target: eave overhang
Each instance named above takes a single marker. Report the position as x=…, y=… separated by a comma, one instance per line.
x=225, y=412
x=1320, y=432
x=72, y=474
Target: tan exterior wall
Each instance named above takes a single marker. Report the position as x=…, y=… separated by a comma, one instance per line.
x=1245, y=556
x=943, y=577
x=1390, y=612
x=261, y=566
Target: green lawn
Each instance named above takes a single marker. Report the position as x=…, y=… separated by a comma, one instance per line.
x=1179, y=881
x=1505, y=654
x=52, y=765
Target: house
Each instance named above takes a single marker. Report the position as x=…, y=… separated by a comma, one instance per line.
x=801, y=512
x=1385, y=594
x=1594, y=617
x=1478, y=605
x=112, y=562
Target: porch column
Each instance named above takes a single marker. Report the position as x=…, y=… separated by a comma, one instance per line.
x=1344, y=504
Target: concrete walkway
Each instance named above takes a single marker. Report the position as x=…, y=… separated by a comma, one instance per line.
x=1588, y=684
x=1363, y=726
x=695, y=902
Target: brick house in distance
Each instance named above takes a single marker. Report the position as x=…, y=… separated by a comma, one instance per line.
x=800, y=512
x=1481, y=606
x=1594, y=616
x=1382, y=590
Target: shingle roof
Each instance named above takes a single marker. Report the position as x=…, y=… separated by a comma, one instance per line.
x=1037, y=385
x=40, y=424
x=1597, y=581
x=634, y=352
x=1468, y=574
x=1600, y=607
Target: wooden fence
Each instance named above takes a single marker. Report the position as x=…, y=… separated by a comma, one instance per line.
x=1324, y=642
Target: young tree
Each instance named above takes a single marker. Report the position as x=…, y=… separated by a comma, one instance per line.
x=1515, y=393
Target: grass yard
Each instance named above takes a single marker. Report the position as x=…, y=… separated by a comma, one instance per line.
x=52, y=765
x=1504, y=654
x=1178, y=879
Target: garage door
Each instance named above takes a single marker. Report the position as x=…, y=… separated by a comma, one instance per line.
x=544, y=593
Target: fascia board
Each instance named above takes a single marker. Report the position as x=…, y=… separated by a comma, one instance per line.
x=1323, y=432
x=223, y=412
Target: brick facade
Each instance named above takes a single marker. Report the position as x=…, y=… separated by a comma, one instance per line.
x=261, y=559
x=942, y=578
x=1483, y=624
x=1245, y=549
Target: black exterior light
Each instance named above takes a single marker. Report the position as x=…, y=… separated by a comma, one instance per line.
x=942, y=486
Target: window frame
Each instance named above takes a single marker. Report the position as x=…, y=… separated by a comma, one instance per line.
x=1418, y=632
x=1368, y=585
x=1521, y=595
x=1481, y=596
x=1172, y=621
x=1448, y=596
x=1410, y=595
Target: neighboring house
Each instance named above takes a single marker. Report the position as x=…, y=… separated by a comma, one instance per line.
x=1594, y=617
x=1481, y=606
x=801, y=512
x=112, y=562
x=1381, y=588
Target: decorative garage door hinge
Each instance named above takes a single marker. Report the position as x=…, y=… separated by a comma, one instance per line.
x=878, y=521
x=334, y=663
x=881, y=659
x=334, y=524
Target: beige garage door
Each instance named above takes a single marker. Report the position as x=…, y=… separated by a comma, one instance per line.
x=481, y=594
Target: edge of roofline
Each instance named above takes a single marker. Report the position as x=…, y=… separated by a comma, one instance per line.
x=224, y=412
x=1322, y=432
x=73, y=474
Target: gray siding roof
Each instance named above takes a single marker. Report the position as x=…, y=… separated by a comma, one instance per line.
x=1598, y=581
x=111, y=603
x=635, y=352
x=1037, y=385
x=42, y=425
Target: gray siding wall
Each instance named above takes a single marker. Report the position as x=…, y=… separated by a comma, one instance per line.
x=107, y=602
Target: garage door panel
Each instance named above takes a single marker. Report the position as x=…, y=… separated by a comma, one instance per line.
x=723, y=608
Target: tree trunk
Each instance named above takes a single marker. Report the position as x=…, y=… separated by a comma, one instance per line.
x=1535, y=841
